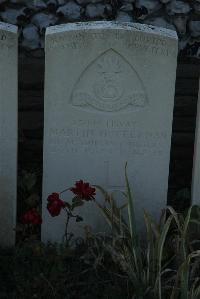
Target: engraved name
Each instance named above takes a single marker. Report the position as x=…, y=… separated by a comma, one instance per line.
x=106, y=141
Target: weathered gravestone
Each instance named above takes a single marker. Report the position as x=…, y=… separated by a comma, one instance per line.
x=8, y=132
x=196, y=160
x=109, y=95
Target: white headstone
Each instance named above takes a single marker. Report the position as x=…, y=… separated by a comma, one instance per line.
x=196, y=160
x=109, y=96
x=8, y=132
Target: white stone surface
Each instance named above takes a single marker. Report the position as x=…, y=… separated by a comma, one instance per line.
x=8, y=132
x=196, y=160
x=109, y=96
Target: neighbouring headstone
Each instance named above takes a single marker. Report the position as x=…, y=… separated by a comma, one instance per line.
x=8, y=132
x=109, y=97
x=196, y=160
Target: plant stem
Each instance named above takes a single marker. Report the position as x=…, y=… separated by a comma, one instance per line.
x=66, y=228
x=64, y=190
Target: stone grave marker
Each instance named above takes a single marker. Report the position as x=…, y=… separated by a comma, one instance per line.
x=8, y=132
x=196, y=160
x=109, y=97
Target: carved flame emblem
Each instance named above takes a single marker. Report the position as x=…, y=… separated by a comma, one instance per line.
x=109, y=84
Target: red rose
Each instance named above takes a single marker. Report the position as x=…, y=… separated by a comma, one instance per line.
x=83, y=190
x=31, y=217
x=55, y=204
x=53, y=196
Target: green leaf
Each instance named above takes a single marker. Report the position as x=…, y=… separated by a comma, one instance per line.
x=131, y=211
x=102, y=190
x=67, y=205
x=77, y=203
x=161, y=242
x=184, y=233
x=79, y=218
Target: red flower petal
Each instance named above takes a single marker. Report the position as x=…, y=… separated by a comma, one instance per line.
x=53, y=196
x=83, y=190
x=54, y=207
x=31, y=217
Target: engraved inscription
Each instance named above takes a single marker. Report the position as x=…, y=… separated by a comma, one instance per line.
x=6, y=41
x=2, y=37
x=133, y=40
x=106, y=139
x=104, y=85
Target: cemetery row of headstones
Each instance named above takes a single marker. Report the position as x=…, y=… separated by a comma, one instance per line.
x=8, y=132
x=109, y=95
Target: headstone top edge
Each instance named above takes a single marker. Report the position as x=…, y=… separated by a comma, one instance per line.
x=8, y=27
x=144, y=28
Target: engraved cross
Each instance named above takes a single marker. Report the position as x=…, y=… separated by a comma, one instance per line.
x=108, y=184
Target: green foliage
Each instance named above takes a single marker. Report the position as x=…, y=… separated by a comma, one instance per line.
x=28, y=188
x=40, y=271
x=165, y=263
